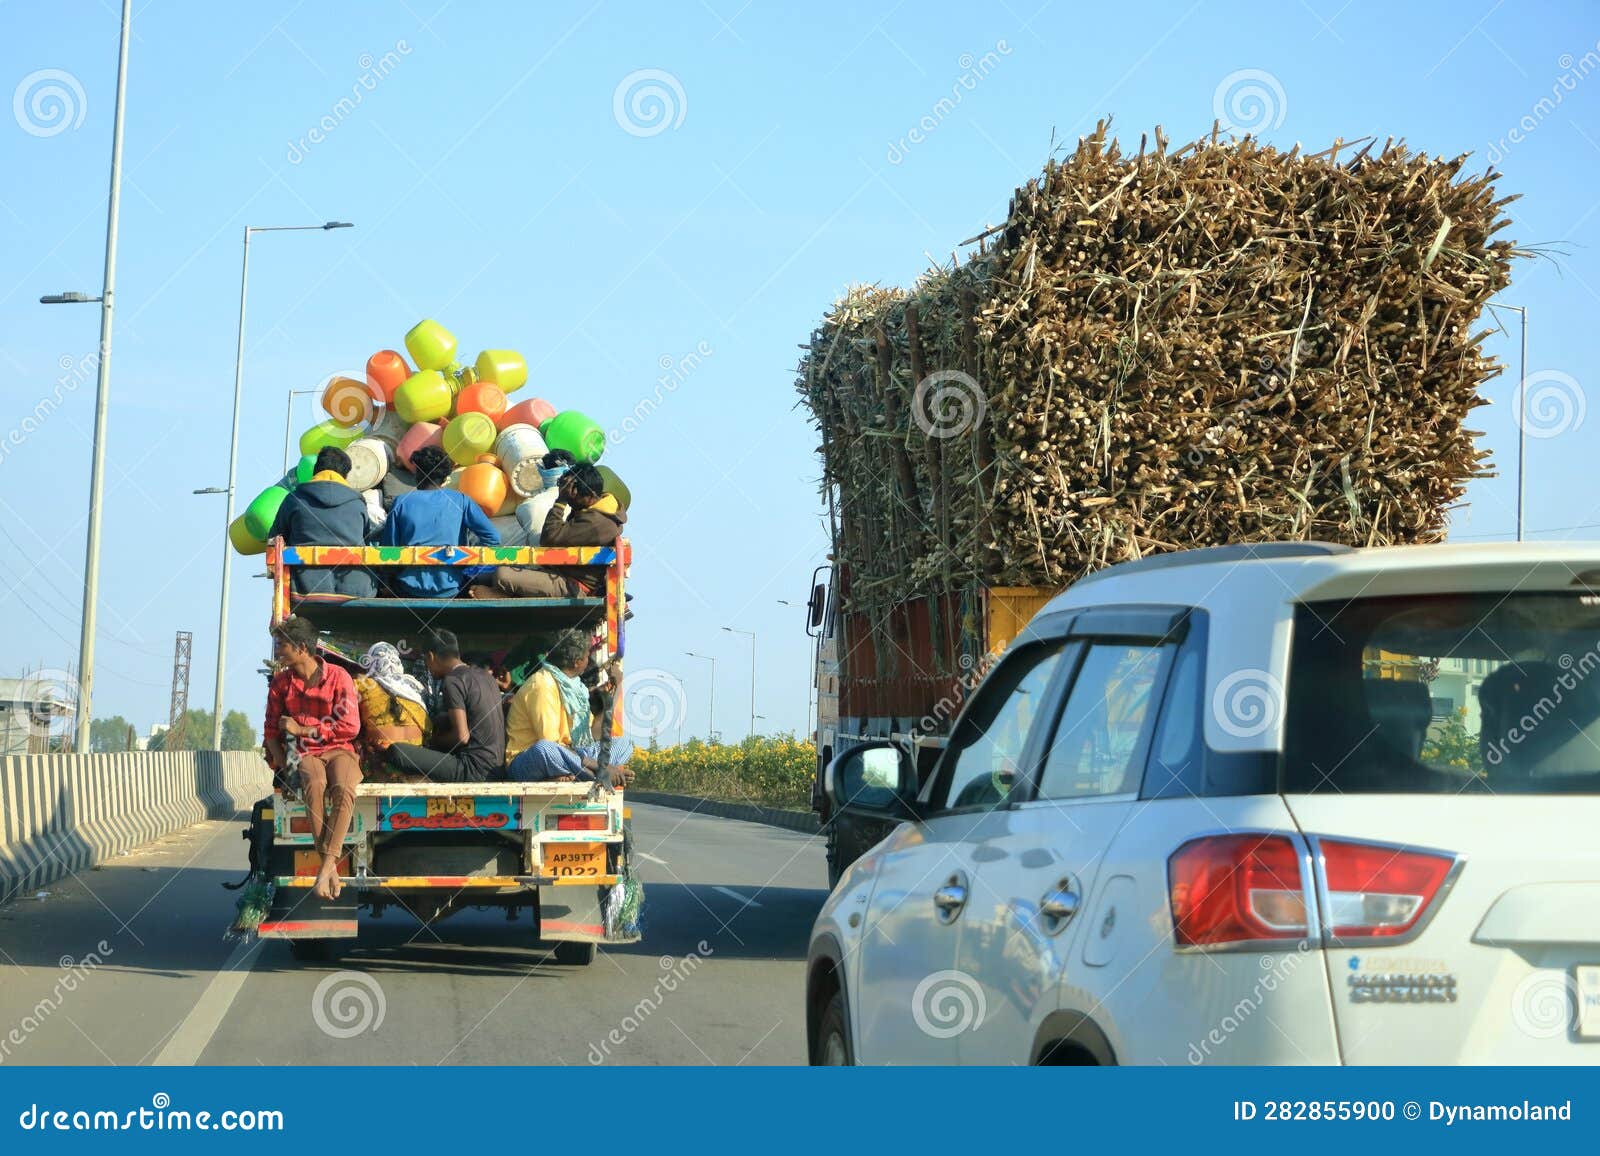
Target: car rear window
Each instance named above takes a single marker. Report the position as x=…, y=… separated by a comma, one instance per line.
x=1445, y=694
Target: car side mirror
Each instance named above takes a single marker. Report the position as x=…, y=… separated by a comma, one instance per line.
x=818, y=604
x=878, y=779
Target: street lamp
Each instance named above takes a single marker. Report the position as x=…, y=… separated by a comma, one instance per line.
x=91, y=561
x=233, y=457
x=711, y=713
x=751, y=635
x=288, y=421
x=1522, y=406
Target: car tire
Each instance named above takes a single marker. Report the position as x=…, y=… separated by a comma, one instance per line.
x=833, y=1036
x=570, y=954
x=311, y=950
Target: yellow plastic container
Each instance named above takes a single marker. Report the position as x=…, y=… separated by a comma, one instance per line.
x=431, y=345
x=425, y=396
x=503, y=367
x=328, y=433
x=467, y=436
x=243, y=540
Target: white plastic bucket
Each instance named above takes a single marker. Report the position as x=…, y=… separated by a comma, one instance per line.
x=369, y=461
x=532, y=513
x=519, y=448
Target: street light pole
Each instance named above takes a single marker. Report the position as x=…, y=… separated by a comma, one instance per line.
x=91, y=561
x=1522, y=409
x=751, y=635
x=711, y=712
x=233, y=463
x=288, y=421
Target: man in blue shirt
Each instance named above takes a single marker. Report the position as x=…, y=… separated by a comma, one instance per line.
x=430, y=516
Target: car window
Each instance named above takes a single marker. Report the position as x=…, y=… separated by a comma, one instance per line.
x=981, y=767
x=1177, y=747
x=1096, y=743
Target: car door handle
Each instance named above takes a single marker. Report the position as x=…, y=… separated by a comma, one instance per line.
x=1058, y=906
x=951, y=898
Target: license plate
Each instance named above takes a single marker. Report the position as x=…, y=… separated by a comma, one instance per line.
x=1587, y=987
x=575, y=860
x=466, y=806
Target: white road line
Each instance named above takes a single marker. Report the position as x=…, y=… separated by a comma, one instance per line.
x=732, y=894
x=649, y=858
x=195, y=1032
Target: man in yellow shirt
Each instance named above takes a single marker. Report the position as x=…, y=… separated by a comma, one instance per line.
x=549, y=726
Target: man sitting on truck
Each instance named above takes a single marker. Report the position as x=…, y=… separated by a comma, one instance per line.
x=326, y=512
x=584, y=515
x=550, y=724
x=432, y=516
x=312, y=710
x=469, y=738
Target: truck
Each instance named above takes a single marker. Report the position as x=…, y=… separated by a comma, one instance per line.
x=557, y=853
x=901, y=677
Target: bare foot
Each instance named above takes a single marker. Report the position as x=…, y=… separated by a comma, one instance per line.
x=328, y=885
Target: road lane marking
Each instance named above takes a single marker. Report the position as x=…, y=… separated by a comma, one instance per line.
x=732, y=894
x=194, y=1033
x=649, y=858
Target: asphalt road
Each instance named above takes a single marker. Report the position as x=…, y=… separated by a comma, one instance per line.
x=126, y=965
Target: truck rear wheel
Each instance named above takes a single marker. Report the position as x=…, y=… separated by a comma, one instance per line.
x=575, y=954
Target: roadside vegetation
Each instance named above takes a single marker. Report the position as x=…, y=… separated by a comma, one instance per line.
x=772, y=770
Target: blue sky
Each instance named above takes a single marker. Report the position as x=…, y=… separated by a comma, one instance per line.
x=496, y=186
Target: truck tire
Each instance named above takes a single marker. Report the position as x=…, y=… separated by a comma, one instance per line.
x=833, y=1037
x=571, y=954
x=311, y=950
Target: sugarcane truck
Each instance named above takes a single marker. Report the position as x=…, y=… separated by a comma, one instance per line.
x=556, y=852
x=901, y=676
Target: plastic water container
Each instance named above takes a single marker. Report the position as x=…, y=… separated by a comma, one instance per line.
x=424, y=433
x=482, y=397
x=532, y=513
x=535, y=412
x=327, y=433
x=369, y=461
x=263, y=511
x=484, y=484
x=387, y=372
x=243, y=541
x=577, y=433
x=350, y=402
x=467, y=436
x=503, y=367
x=615, y=486
x=431, y=345
x=519, y=448
x=424, y=396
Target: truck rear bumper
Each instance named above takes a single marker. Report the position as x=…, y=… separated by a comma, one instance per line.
x=449, y=882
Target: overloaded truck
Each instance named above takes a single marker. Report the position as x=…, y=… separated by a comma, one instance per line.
x=1156, y=350
x=557, y=853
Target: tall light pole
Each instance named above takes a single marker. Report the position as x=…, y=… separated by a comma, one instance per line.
x=1522, y=407
x=288, y=421
x=751, y=635
x=233, y=459
x=711, y=712
x=91, y=560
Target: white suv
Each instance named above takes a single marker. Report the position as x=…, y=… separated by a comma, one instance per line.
x=1285, y=803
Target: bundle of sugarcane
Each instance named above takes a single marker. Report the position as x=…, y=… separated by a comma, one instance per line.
x=1222, y=343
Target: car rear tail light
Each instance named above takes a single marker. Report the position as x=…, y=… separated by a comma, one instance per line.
x=597, y=822
x=1379, y=891
x=1237, y=888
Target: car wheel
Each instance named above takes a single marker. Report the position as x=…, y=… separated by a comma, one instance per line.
x=311, y=950
x=575, y=954
x=833, y=1037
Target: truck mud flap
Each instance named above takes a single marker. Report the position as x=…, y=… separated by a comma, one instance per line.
x=298, y=914
x=572, y=915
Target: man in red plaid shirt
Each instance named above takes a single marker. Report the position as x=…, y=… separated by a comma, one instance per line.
x=313, y=704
